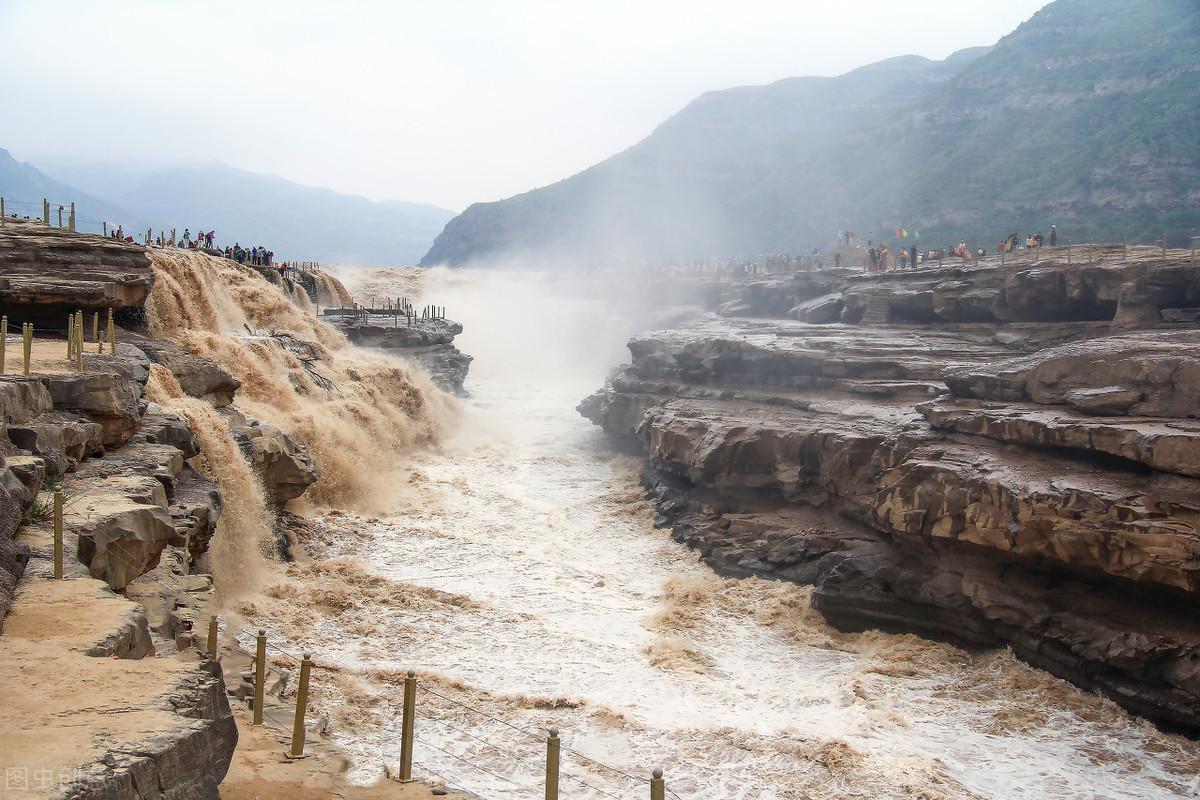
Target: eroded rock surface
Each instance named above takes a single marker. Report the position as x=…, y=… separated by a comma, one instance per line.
x=1029, y=484
x=429, y=343
x=47, y=273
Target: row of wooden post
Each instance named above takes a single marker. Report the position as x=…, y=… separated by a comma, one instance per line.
x=26, y=344
x=408, y=718
x=75, y=340
x=45, y=214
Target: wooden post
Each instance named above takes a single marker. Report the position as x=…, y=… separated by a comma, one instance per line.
x=407, y=726
x=301, y=706
x=212, y=637
x=104, y=227
x=3, y=341
x=27, y=337
x=58, y=534
x=260, y=676
x=552, y=760
x=658, y=789
x=45, y=211
x=70, y=338
x=112, y=334
x=79, y=341
x=60, y=210
x=71, y=219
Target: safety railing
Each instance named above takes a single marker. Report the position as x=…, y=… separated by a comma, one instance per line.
x=547, y=755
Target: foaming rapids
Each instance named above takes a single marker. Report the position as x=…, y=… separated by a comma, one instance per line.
x=522, y=576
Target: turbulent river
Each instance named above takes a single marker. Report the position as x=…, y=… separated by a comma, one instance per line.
x=519, y=573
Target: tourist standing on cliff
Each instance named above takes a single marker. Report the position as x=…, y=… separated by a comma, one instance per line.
x=1053, y=235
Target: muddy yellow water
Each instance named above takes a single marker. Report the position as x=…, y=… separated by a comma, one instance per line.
x=517, y=570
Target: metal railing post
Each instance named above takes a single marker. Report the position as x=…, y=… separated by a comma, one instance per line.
x=3, y=341
x=71, y=219
x=58, y=534
x=552, y=761
x=658, y=788
x=60, y=210
x=45, y=211
x=301, y=706
x=407, y=726
x=260, y=675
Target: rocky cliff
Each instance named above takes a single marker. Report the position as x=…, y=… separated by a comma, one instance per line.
x=992, y=455
x=140, y=512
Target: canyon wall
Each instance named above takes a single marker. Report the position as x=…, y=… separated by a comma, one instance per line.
x=992, y=455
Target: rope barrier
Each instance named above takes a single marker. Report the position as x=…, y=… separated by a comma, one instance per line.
x=447, y=781
x=470, y=763
x=531, y=734
x=540, y=739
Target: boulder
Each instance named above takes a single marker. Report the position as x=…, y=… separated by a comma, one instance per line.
x=282, y=463
x=61, y=439
x=110, y=399
x=819, y=310
x=123, y=526
x=198, y=376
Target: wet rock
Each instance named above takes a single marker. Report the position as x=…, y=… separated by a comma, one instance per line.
x=819, y=310
x=281, y=462
x=1162, y=444
x=428, y=343
x=1047, y=502
x=198, y=376
x=1162, y=369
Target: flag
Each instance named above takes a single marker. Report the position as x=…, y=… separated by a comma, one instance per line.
x=904, y=232
x=897, y=233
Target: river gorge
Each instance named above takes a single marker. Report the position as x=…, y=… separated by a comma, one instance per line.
x=545, y=595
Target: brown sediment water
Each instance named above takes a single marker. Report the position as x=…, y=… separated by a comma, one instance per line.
x=239, y=552
x=353, y=409
x=519, y=572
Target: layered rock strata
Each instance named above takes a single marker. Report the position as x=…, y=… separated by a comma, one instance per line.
x=47, y=273
x=1027, y=484
x=429, y=343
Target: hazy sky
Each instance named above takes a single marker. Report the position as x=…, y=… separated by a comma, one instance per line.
x=445, y=102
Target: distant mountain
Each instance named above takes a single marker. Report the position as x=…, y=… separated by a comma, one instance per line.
x=300, y=222
x=297, y=222
x=1087, y=116
x=24, y=187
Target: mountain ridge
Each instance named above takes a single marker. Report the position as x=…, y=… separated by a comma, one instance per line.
x=1082, y=117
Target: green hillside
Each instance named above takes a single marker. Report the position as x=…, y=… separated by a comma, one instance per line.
x=1086, y=116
